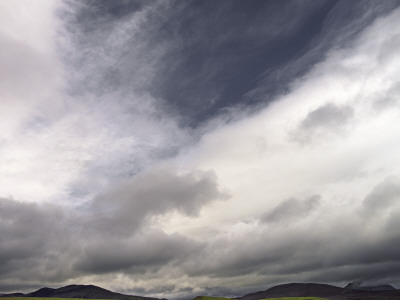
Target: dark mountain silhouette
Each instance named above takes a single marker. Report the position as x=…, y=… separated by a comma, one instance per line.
x=13, y=295
x=295, y=290
x=79, y=291
x=358, y=286
x=350, y=292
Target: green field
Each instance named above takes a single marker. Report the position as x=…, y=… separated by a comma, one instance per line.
x=197, y=298
x=47, y=298
x=296, y=298
x=281, y=298
x=211, y=298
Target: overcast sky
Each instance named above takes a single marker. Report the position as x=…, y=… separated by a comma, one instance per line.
x=191, y=147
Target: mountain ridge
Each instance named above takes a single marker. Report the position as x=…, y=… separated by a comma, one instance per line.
x=360, y=287
x=326, y=291
x=352, y=291
x=79, y=291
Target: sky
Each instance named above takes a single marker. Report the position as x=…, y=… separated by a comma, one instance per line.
x=199, y=147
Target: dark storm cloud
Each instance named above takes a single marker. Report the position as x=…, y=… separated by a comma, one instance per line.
x=292, y=209
x=199, y=58
x=222, y=48
x=333, y=26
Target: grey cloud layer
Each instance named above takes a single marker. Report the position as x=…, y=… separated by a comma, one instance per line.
x=328, y=115
x=383, y=196
x=143, y=252
x=112, y=236
x=30, y=236
x=292, y=209
x=58, y=245
x=123, y=209
x=325, y=121
x=140, y=76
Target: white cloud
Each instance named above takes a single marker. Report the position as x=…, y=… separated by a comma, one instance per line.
x=30, y=72
x=260, y=164
x=75, y=148
x=63, y=141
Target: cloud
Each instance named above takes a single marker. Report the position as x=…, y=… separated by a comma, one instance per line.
x=30, y=237
x=342, y=23
x=383, y=197
x=114, y=236
x=83, y=131
x=135, y=179
x=190, y=59
x=291, y=209
x=124, y=208
x=28, y=59
x=149, y=250
x=117, y=53
x=324, y=121
x=259, y=162
x=327, y=116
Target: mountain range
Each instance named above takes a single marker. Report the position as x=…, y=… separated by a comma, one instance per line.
x=78, y=291
x=352, y=291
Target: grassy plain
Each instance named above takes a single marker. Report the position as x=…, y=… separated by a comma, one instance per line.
x=45, y=298
x=281, y=298
x=197, y=298
x=296, y=298
x=211, y=298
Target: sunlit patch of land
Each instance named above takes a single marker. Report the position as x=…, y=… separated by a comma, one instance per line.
x=280, y=298
x=47, y=298
x=212, y=298
x=296, y=298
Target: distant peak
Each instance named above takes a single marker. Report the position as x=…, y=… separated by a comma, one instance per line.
x=353, y=285
x=359, y=286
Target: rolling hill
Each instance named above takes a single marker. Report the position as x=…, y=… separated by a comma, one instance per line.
x=78, y=291
x=353, y=291
x=350, y=292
